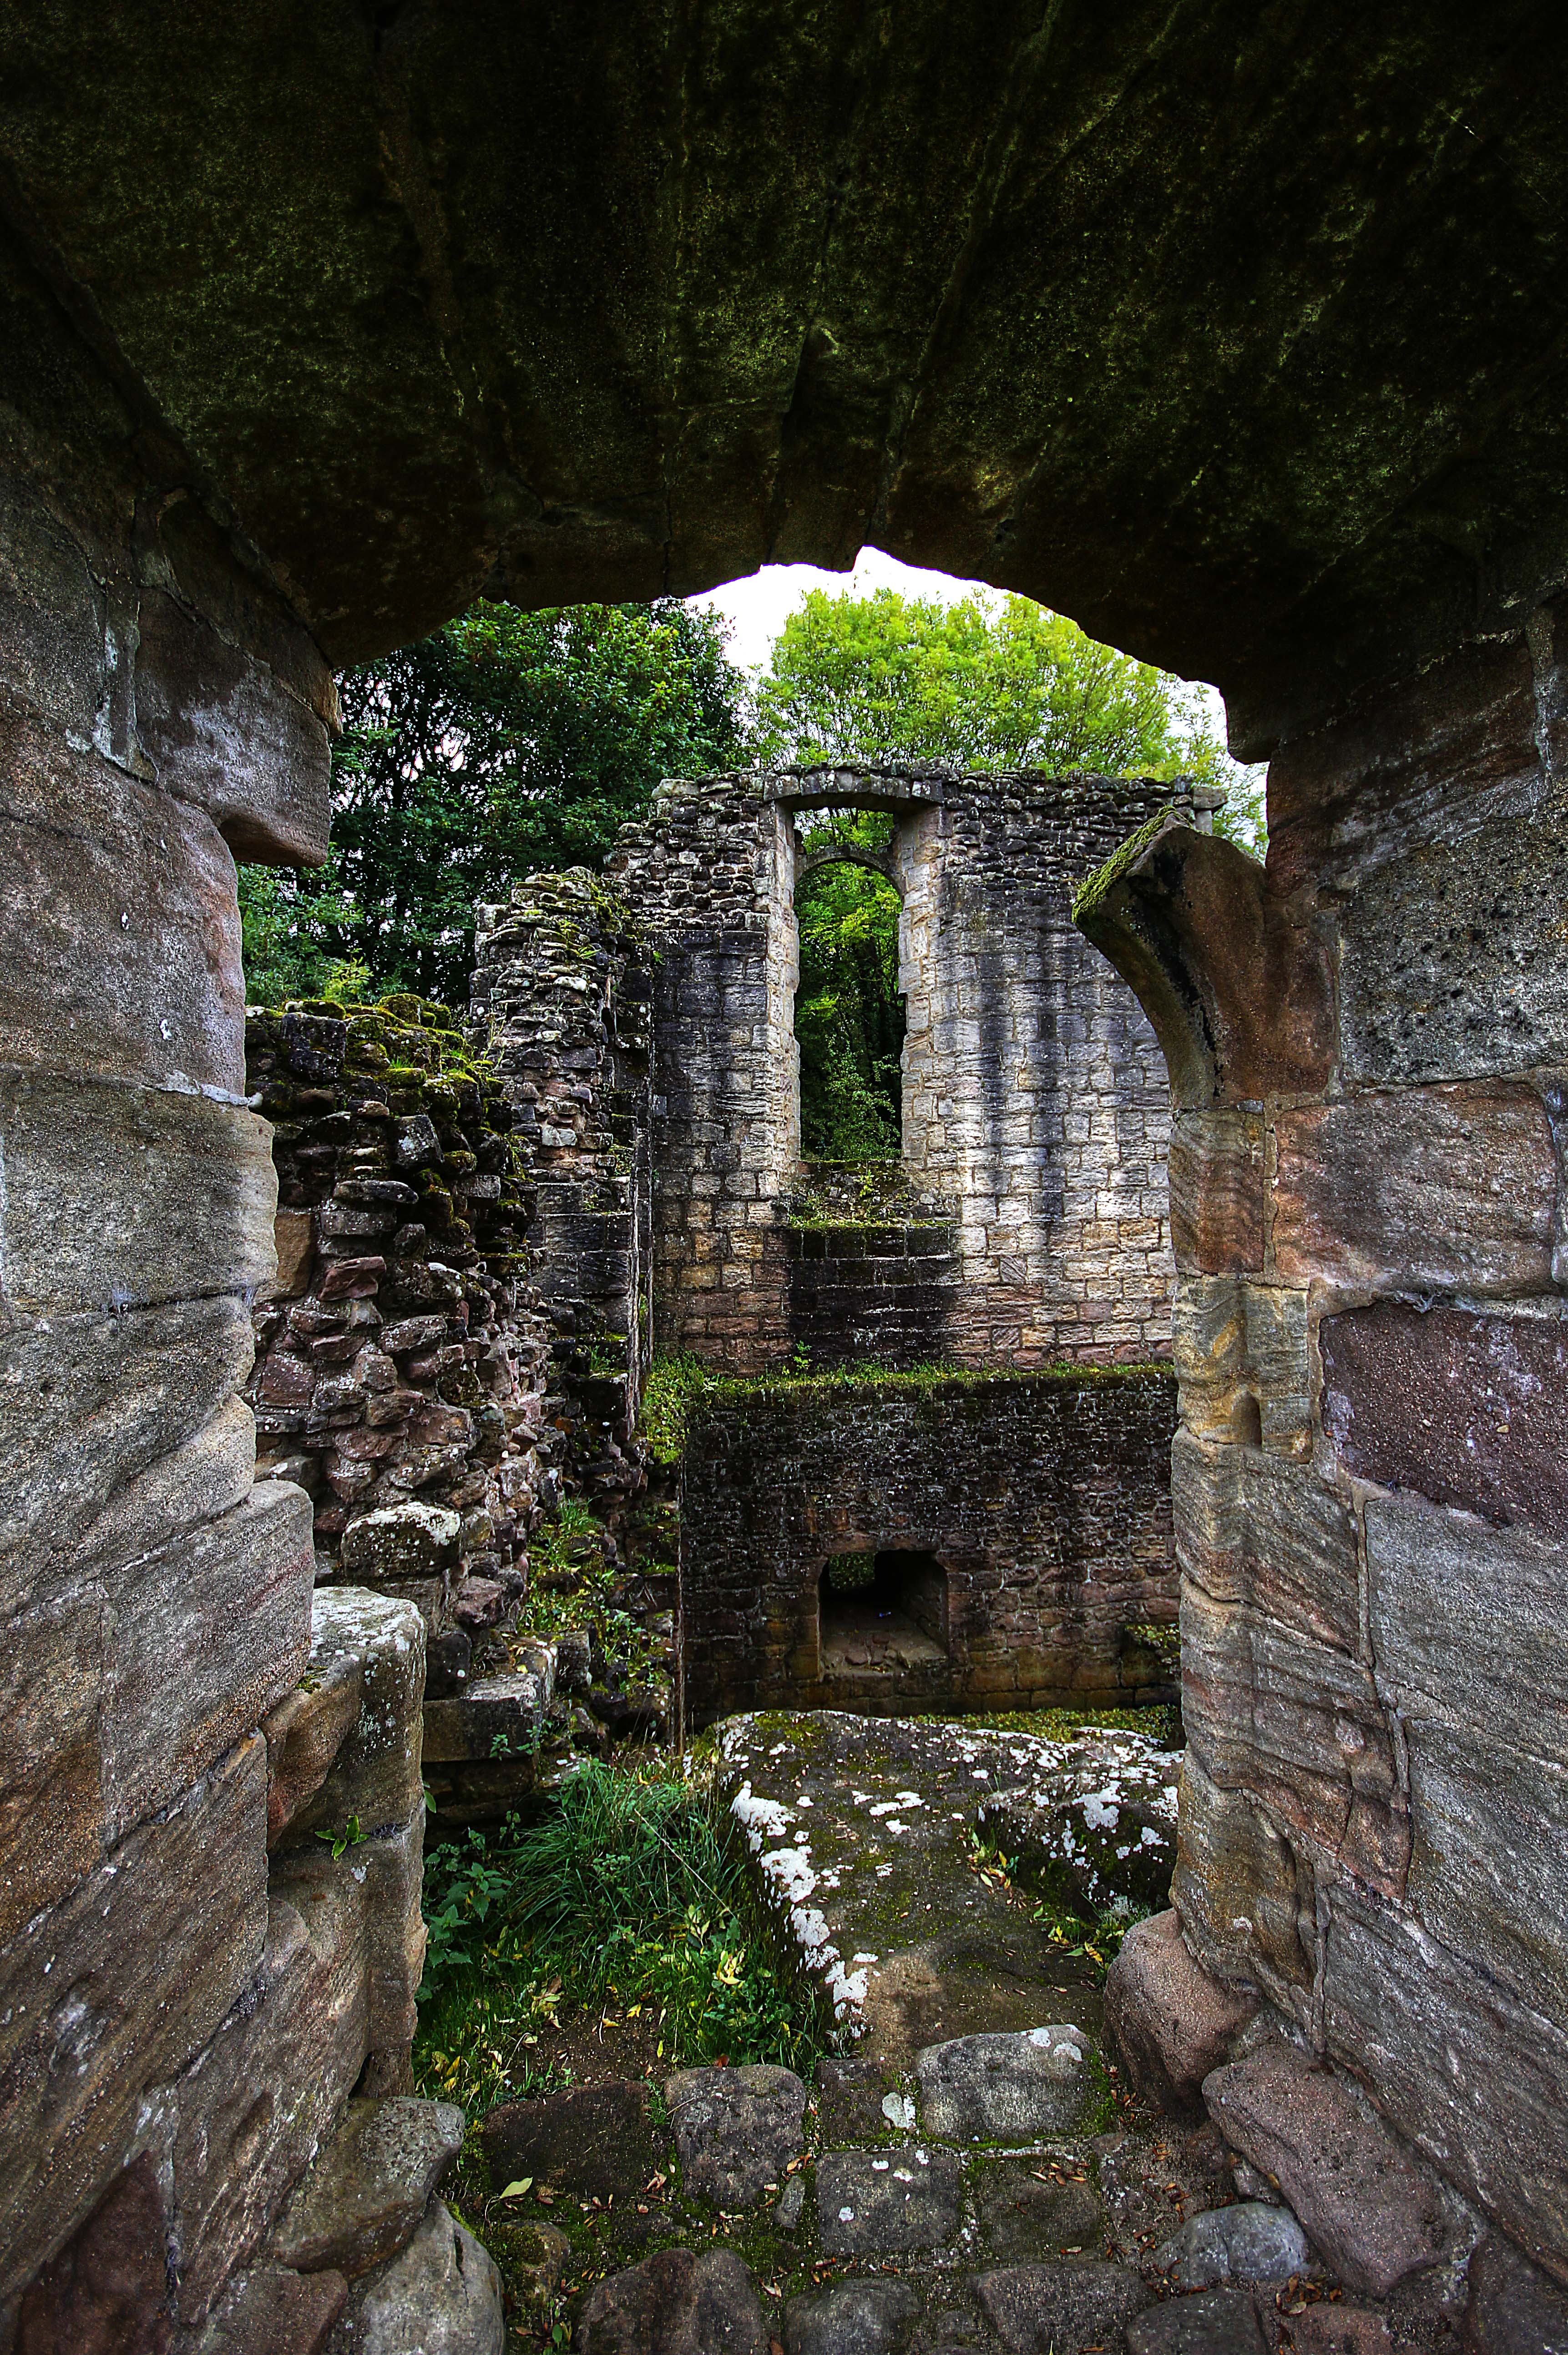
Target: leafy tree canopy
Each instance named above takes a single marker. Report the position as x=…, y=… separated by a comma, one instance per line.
x=848, y=1016
x=886, y=678
x=504, y=742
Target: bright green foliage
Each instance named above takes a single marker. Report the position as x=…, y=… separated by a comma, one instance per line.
x=848, y=1016
x=887, y=677
x=506, y=741
x=623, y=1896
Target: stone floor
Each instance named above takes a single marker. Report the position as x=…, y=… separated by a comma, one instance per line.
x=965, y=2172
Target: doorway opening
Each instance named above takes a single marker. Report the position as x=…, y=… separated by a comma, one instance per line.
x=882, y=1614
x=849, y=1013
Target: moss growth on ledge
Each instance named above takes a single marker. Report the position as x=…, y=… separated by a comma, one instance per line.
x=1094, y=888
x=679, y=1387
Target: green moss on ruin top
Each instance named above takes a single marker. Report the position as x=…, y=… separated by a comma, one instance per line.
x=679, y=1388
x=1094, y=888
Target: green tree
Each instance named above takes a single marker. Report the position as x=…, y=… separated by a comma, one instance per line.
x=504, y=742
x=887, y=677
x=848, y=1016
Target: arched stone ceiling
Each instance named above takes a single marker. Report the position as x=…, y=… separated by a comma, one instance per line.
x=1235, y=331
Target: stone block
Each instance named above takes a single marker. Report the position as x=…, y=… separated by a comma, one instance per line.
x=1256, y=1531
x=590, y=2141
x=106, y=2292
x=115, y=1991
x=51, y=613
x=1215, y=2322
x=1467, y=1410
x=1253, y=2241
x=881, y=2202
x=401, y=1541
x=1463, y=1622
x=293, y=1239
x=1038, y=2309
x=373, y=1771
x=1169, y=2023
x=1476, y=2080
x=122, y=1198
x=304, y=1735
x=253, y=2105
x=1247, y=1904
x=225, y=733
x=1241, y=1351
x=204, y=1638
x=93, y=1405
x=270, y=2311
x=441, y=2296
x=1023, y=2216
x=378, y=1877
x=1451, y=965
x=1102, y=1826
x=675, y=2301
x=1446, y=1188
x=367, y=2188
x=1218, y=1192
x=1372, y=2213
x=852, y=2317
x=1340, y=2329
x=1512, y=2309
x=736, y=2131
x=1299, y=1727
x=120, y=933
x=496, y=1716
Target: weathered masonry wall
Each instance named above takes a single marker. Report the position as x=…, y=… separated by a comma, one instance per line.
x=1044, y=1500
x=1034, y=1105
x=190, y=1984
x=1368, y=1054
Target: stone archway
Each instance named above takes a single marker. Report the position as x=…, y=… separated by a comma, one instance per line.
x=299, y=359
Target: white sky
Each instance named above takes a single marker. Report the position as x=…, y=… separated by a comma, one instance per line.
x=756, y=606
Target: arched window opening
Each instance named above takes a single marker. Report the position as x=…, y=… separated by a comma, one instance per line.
x=882, y=1614
x=848, y=1014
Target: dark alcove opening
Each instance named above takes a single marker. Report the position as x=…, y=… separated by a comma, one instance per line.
x=882, y=1614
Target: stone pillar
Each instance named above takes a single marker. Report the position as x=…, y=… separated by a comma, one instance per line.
x=160, y=711
x=1367, y=1045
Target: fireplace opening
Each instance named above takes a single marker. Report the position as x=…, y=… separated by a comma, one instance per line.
x=882, y=1614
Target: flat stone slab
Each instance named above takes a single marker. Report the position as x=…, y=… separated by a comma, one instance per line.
x=590, y=2141
x=1248, y=2242
x=859, y=1833
x=881, y=2202
x=1026, y=2210
x=1215, y=2322
x=860, y=2318
x=441, y=2296
x=736, y=2131
x=1359, y=2199
x=1098, y=1828
x=677, y=2303
x=367, y=2189
x=1020, y=2088
x=1058, y=2309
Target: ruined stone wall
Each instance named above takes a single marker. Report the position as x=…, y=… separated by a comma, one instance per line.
x=711, y=873
x=1035, y=1115
x=559, y=1007
x=402, y=1353
x=178, y=2021
x=1045, y=1499
x=1368, y=1048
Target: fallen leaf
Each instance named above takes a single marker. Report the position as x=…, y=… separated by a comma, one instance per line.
x=515, y=2190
